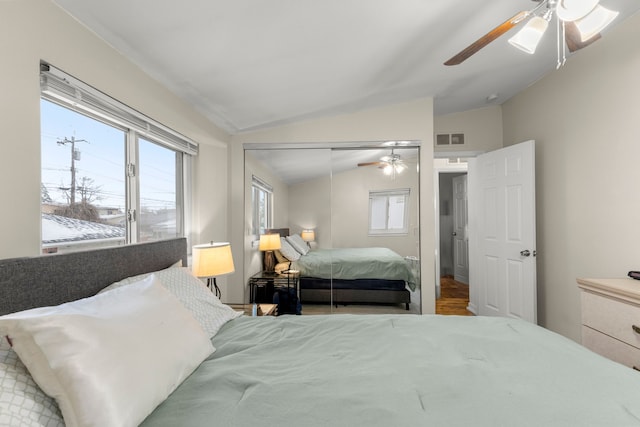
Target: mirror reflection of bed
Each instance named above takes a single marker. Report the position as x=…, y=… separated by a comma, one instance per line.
x=336, y=205
x=348, y=280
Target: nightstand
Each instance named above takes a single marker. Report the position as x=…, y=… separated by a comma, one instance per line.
x=262, y=285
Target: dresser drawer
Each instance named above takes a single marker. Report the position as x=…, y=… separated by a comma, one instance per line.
x=612, y=317
x=610, y=348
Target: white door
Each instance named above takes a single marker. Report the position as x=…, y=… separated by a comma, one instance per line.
x=460, y=238
x=503, y=260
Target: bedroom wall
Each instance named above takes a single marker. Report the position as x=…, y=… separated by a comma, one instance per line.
x=482, y=128
x=310, y=207
x=34, y=30
x=406, y=121
x=252, y=261
x=584, y=118
x=350, y=209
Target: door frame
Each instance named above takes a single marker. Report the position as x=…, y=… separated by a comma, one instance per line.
x=440, y=166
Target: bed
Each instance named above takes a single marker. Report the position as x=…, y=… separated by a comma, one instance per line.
x=350, y=275
x=335, y=370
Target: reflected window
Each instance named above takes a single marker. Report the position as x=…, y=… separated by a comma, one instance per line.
x=388, y=212
x=262, y=203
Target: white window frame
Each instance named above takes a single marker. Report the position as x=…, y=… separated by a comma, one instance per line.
x=260, y=186
x=67, y=91
x=384, y=196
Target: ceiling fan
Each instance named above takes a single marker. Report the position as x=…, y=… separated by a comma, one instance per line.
x=580, y=22
x=390, y=165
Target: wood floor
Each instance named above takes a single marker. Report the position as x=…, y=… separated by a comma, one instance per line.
x=454, y=298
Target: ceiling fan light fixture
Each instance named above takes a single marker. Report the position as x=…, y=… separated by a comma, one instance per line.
x=388, y=169
x=572, y=10
x=595, y=22
x=528, y=38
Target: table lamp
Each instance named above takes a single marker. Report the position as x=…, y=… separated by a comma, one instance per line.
x=268, y=244
x=211, y=260
x=308, y=236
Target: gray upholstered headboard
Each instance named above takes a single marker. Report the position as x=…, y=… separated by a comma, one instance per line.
x=283, y=232
x=55, y=279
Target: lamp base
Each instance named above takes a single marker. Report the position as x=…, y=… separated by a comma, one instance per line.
x=211, y=284
x=269, y=261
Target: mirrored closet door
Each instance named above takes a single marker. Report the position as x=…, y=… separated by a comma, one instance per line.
x=350, y=215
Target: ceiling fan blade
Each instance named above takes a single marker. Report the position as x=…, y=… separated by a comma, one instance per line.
x=369, y=163
x=573, y=39
x=488, y=38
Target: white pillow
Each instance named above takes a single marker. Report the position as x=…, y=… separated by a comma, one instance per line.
x=279, y=257
x=107, y=359
x=193, y=294
x=298, y=244
x=22, y=402
x=287, y=250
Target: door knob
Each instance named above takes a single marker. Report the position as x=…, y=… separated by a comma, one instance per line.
x=525, y=252
x=454, y=233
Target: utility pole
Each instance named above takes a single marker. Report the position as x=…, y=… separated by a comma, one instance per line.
x=75, y=155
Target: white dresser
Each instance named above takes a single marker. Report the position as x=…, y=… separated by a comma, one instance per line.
x=611, y=318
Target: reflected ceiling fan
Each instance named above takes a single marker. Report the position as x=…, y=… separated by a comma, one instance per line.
x=390, y=165
x=579, y=21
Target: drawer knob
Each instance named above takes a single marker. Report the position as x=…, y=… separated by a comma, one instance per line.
x=636, y=329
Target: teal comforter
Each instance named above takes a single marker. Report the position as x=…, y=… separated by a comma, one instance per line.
x=355, y=263
x=405, y=370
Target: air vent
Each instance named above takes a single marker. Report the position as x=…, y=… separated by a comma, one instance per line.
x=457, y=138
x=449, y=139
x=443, y=139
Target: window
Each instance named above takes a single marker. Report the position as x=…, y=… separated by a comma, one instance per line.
x=388, y=212
x=110, y=175
x=159, y=192
x=262, y=203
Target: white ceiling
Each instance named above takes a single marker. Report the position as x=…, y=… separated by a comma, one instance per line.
x=294, y=166
x=249, y=64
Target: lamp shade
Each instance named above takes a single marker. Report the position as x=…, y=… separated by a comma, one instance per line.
x=529, y=36
x=570, y=10
x=212, y=259
x=308, y=235
x=269, y=242
x=595, y=22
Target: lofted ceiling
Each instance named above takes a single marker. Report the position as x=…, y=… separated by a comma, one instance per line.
x=251, y=64
x=294, y=166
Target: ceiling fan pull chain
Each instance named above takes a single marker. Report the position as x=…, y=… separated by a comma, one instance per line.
x=558, y=41
x=561, y=43
x=564, y=45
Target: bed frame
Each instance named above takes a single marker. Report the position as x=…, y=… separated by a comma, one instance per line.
x=350, y=292
x=55, y=279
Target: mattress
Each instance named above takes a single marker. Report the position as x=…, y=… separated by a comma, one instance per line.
x=383, y=370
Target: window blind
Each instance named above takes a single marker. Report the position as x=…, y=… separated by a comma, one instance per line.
x=59, y=87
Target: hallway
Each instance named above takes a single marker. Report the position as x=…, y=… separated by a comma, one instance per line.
x=454, y=298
